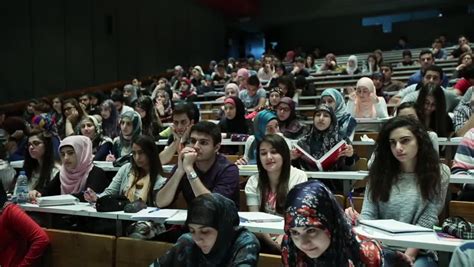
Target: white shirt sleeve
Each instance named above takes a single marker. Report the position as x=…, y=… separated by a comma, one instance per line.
x=381, y=108
x=251, y=191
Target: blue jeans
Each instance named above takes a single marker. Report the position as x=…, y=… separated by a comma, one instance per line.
x=425, y=261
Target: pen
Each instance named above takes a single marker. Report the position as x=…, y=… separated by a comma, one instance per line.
x=153, y=210
x=354, y=222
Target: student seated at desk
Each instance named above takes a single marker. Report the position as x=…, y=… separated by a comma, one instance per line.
x=364, y=103
x=22, y=241
x=234, y=121
x=39, y=165
x=183, y=119
x=231, y=89
x=463, y=162
x=77, y=171
x=201, y=169
x=254, y=96
x=274, y=97
x=266, y=122
x=139, y=179
x=267, y=190
x=91, y=127
x=130, y=129
x=288, y=123
x=409, y=184
x=215, y=238
x=431, y=108
x=163, y=105
x=345, y=122
x=323, y=136
x=318, y=234
x=110, y=119
x=151, y=124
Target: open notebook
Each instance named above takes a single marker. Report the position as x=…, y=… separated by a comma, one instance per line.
x=57, y=200
x=394, y=227
x=154, y=214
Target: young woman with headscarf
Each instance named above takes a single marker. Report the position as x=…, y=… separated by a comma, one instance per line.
x=215, y=238
x=323, y=136
x=77, y=171
x=164, y=106
x=130, y=95
x=22, y=241
x=234, y=121
x=317, y=233
x=364, y=103
x=352, y=66
x=288, y=123
x=266, y=122
x=101, y=145
x=345, y=122
x=130, y=129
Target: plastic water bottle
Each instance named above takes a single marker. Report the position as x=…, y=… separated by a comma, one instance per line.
x=21, y=191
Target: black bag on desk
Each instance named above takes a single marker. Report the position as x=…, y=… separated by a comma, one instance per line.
x=111, y=203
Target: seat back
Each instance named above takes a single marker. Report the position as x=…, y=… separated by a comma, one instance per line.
x=464, y=209
x=358, y=201
x=135, y=252
x=243, y=201
x=79, y=249
x=340, y=199
x=269, y=260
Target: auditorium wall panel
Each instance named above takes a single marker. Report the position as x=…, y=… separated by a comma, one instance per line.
x=52, y=46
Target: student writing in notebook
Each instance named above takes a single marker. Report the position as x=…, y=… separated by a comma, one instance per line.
x=406, y=181
x=318, y=234
x=139, y=179
x=214, y=238
x=267, y=190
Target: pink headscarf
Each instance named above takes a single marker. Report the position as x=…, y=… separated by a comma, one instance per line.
x=74, y=181
x=365, y=109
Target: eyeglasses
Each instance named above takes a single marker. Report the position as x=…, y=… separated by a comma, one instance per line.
x=35, y=143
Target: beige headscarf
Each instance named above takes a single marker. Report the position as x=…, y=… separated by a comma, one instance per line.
x=365, y=108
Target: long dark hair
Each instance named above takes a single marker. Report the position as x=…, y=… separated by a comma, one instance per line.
x=148, y=146
x=31, y=164
x=385, y=169
x=151, y=123
x=289, y=82
x=279, y=144
x=438, y=117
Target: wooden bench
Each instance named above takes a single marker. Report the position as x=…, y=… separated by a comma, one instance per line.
x=71, y=249
x=464, y=209
x=135, y=252
x=266, y=260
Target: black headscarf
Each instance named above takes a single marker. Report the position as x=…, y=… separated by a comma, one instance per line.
x=216, y=211
x=238, y=123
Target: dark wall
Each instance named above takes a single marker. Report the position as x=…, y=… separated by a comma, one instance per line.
x=347, y=35
x=51, y=46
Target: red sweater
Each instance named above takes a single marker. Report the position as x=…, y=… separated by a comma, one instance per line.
x=22, y=241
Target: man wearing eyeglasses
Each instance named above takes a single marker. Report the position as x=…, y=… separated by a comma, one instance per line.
x=201, y=169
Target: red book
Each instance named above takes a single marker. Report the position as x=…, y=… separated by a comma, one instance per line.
x=328, y=159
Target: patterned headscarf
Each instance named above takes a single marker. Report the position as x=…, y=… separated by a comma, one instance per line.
x=216, y=211
x=44, y=122
x=344, y=118
x=311, y=204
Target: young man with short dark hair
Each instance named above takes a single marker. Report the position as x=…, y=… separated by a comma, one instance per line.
x=183, y=118
x=201, y=169
x=389, y=85
x=254, y=96
x=426, y=59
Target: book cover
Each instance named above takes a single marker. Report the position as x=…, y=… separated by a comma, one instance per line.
x=328, y=159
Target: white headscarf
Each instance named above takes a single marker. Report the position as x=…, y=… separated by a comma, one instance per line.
x=351, y=70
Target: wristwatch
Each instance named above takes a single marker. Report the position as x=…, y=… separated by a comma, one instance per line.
x=192, y=176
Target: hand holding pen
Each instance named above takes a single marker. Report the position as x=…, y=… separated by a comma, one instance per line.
x=351, y=212
x=90, y=196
